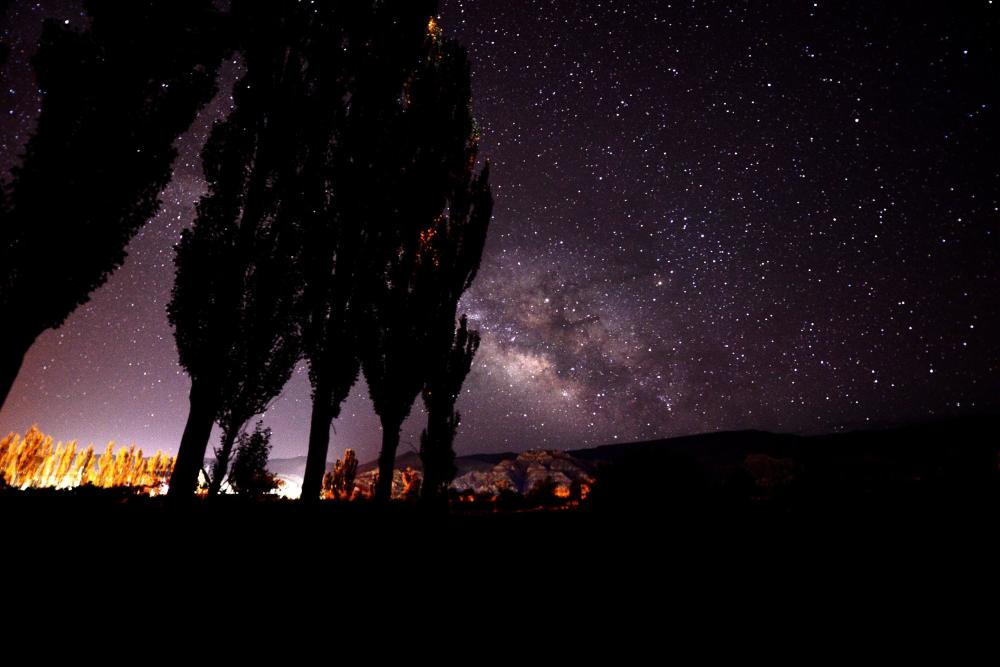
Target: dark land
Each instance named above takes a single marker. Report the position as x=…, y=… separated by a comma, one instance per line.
x=741, y=480
x=902, y=513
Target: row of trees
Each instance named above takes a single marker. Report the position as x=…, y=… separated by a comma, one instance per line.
x=343, y=220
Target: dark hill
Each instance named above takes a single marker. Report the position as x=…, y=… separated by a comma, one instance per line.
x=296, y=465
x=949, y=455
x=929, y=440
x=929, y=465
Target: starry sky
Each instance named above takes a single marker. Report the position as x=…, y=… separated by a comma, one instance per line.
x=709, y=216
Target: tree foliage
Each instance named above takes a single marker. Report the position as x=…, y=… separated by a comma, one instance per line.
x=235, y=306
x=444, y=383
x=344, y=216
x=115, y=97
x=249, y=475
x=415, y=258
x=339, y=483
x=353, y=152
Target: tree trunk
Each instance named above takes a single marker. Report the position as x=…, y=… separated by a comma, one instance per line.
x=387, y=459
x=12, y=351
x=430, y=459
x=191, y=454
x=437, y=455
x=219, y=471
x=319, y=444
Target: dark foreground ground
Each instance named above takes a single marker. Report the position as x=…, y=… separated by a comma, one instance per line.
x=522, y=570
x=908, y=510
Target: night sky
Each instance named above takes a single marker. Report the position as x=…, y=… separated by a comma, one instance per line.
x=709, y=216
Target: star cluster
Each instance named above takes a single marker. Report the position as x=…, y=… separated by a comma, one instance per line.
x=708, y=216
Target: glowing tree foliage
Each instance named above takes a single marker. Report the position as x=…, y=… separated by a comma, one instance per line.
x=33, y=462
x=115, y=97
x=339, y=484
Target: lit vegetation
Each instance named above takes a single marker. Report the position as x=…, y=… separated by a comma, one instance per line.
x=33, y=462
x=339, y=484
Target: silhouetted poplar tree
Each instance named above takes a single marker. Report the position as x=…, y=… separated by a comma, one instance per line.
x=441, y=390
x=357, y=92
x=115, y=97
x=455, y=248
x=436, y=140
x=262, y=357
x=237, y=294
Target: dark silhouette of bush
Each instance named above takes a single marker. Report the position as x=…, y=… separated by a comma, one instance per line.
x=657, y=483
x=249, y=476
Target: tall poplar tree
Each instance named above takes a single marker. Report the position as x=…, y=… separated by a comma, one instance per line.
x=437, y=143
x=115, y=97
x=354, y=160
x=236, y=298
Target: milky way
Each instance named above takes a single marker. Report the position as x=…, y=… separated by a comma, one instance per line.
x=708, y=216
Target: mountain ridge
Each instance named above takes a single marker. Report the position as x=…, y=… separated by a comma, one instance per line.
x=717, y=448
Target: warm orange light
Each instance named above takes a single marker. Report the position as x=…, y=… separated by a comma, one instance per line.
x=426, y=236
x=411, y=484
x=426, y=242
x=32, y=462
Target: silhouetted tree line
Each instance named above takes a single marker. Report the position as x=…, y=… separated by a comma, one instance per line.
x=343, y=221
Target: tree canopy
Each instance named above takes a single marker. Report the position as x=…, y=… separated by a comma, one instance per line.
x=115, y=97
x=355, y=158
x=428, y=248
x=249, y=475
x=235, y=306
